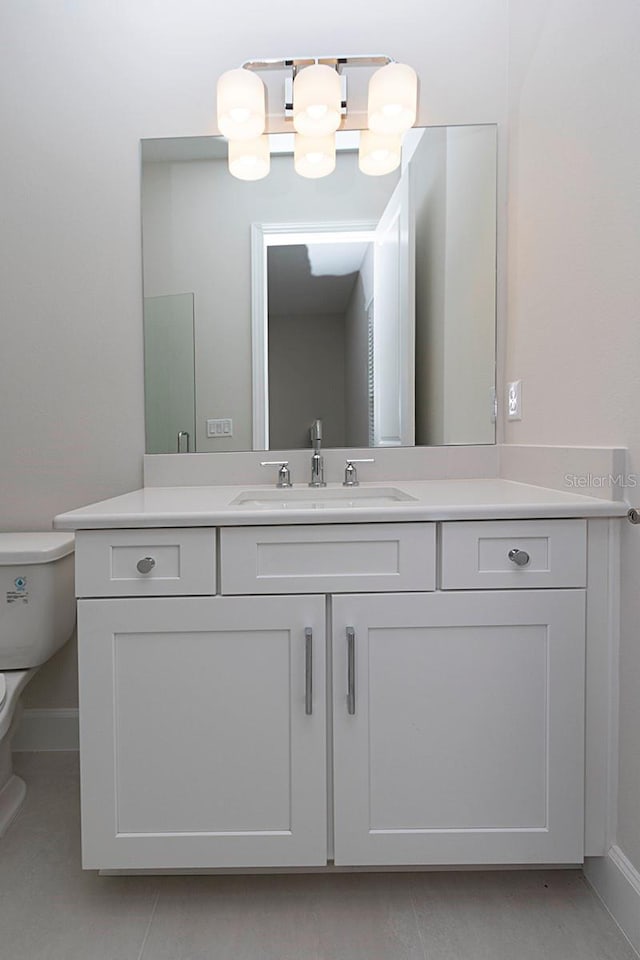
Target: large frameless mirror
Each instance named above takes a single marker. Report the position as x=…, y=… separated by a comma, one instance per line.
x=367, y=302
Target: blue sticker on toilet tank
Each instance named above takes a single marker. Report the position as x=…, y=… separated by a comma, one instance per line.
x=20, y=592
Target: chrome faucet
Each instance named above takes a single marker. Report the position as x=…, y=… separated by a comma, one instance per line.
x=317, y=460
x=351, y=473
x=284, y=477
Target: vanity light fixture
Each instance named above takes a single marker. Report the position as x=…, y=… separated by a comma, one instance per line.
x=393, y=99
x=241, y=105
x=379, y=153
x=314, y=157
x=316, y=100
x=250, y=159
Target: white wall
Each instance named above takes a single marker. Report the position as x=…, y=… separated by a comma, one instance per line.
x=306, y=379
x=80, y=84
x=169, y=374
x=574, y=275
x=453, y=185
x=470, y=292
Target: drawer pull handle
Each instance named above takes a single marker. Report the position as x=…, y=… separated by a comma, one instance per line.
x=145, y=565
x=351, y=671
x=308, y=671
x=519, y=557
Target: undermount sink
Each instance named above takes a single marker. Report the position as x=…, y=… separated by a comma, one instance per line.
x=297, y=498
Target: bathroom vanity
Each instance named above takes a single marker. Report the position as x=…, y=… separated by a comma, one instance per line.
x=400, y=674
x=407, y=674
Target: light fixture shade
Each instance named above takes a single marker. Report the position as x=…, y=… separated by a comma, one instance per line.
x=393, y=98
x=316, y=100
x=379, y=153
x=241, y=110
x=314, y=156
x=249, y=159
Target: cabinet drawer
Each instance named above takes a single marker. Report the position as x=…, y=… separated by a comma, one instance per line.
x=184, y=562
x=328, y=559
x=476, y=555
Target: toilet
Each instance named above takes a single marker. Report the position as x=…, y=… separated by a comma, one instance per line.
x=37, y=615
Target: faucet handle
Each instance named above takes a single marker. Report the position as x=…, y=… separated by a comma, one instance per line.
x=350, y=472
x=284, y=476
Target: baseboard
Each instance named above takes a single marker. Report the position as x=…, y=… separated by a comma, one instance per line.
x=53, y=729
x=617, y=883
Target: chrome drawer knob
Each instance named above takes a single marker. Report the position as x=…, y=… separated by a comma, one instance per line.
x=519, y=557
x=145, y=565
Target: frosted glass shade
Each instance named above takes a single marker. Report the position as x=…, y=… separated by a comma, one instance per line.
x=316, y=100
x=314, y=156
x=241, y=110
x=379, y=153
x=249, y=159
x=393, y=98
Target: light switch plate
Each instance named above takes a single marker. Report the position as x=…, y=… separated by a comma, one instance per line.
x=219, y=429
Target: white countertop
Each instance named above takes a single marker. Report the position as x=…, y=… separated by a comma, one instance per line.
x=433, y=500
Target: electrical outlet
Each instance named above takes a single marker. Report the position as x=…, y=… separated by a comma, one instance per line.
x=514, y=400
x=219, y=429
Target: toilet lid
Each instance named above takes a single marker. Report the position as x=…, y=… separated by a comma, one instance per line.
x=3, y=688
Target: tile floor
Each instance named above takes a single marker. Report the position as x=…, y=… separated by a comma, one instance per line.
x=51, y=910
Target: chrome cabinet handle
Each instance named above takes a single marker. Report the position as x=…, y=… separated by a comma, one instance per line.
x=145, y=565
x=183, y=435
x=351, y=671
x=519, y=557
x=308, y=671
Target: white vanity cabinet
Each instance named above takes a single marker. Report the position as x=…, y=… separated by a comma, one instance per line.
x=463, y=741
x=451, y=731
x=203, y=732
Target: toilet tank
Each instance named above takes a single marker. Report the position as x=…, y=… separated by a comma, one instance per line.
x=37, y=605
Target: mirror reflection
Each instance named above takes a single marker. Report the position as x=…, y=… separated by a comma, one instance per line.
x=366, y=302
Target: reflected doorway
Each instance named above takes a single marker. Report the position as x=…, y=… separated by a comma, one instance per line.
x=319, y=298
x=333, y=321
x=309, y=284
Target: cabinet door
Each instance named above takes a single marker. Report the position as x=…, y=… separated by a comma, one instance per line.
x=465, y=740
x=203, y=732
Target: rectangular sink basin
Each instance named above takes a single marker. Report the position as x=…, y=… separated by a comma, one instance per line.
x=320, y=498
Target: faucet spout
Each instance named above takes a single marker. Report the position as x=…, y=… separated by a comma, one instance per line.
x=317, y=470
x=317, y=460
x=315, y=433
